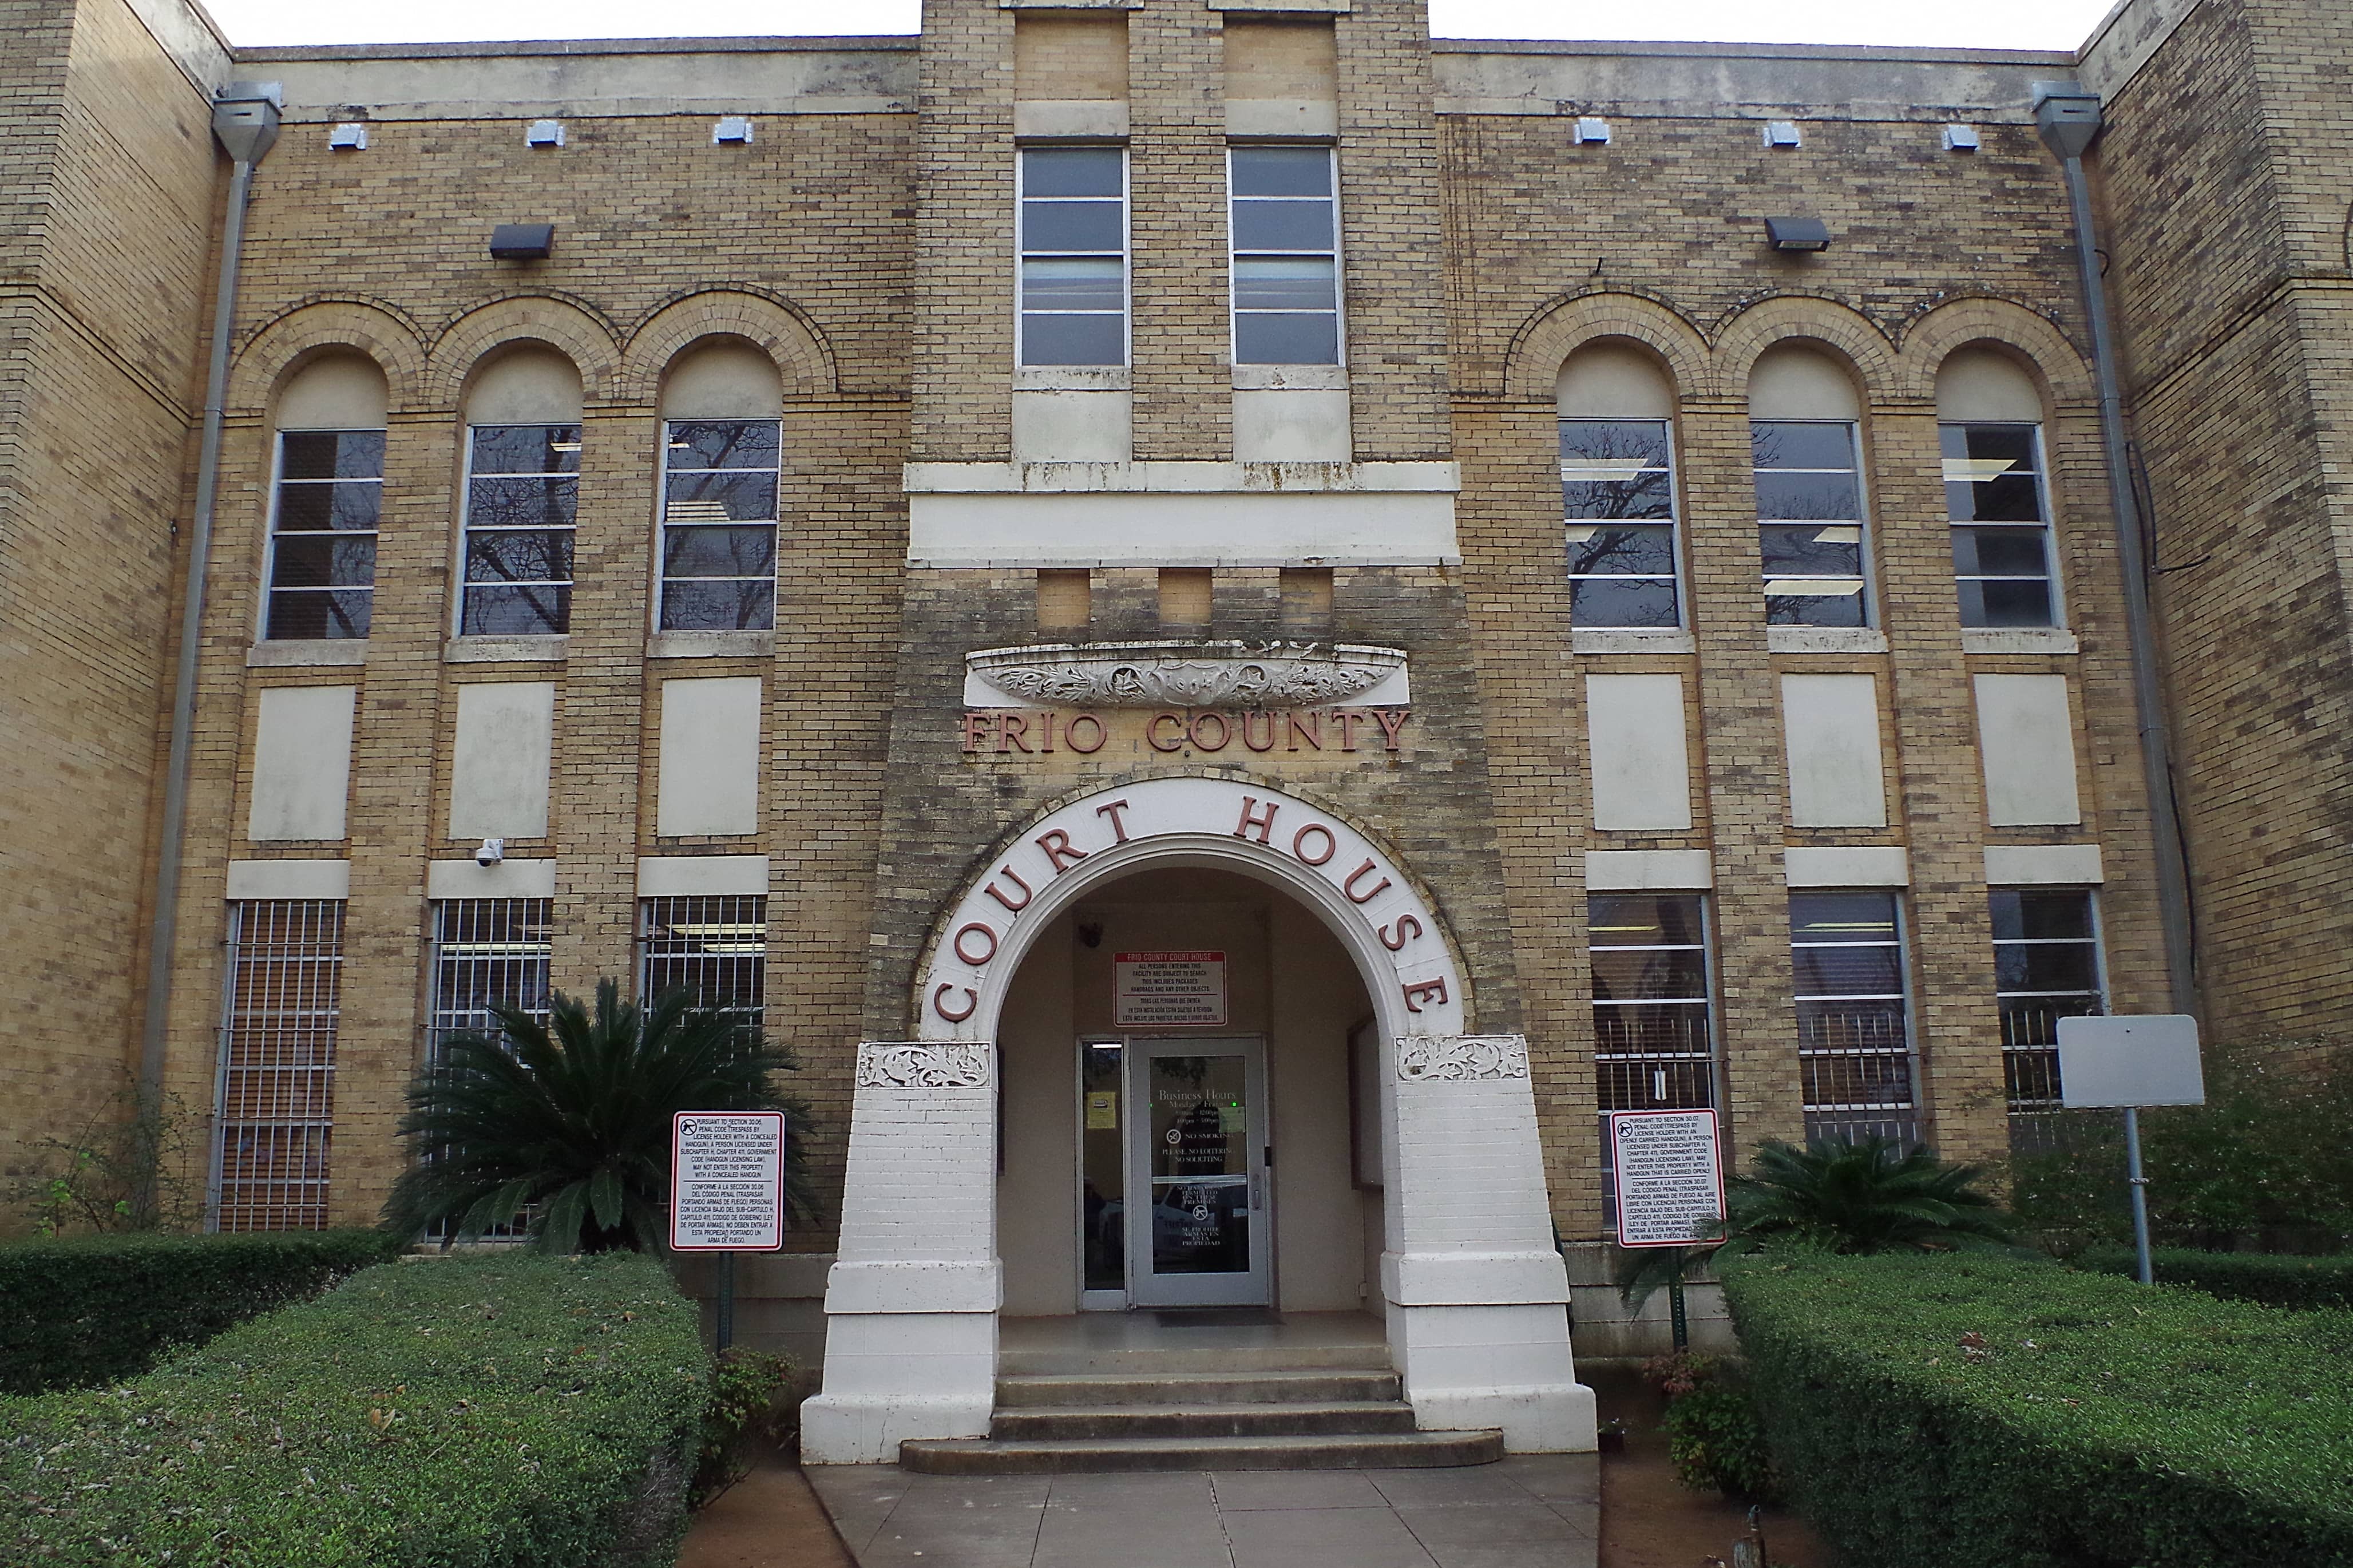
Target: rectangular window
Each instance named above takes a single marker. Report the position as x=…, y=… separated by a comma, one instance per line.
x=487, y=952
x=715, y=944
x=277, y=1088
x=2046, y=960
x=1618, y=492
x=1653, y=1041
x=2001, y=528
x=1073, y=203
x=1810, y=514
x=719, y=525
x=1854, y=1036
x=522, y=503
x=1284, y=224
x=324, y=516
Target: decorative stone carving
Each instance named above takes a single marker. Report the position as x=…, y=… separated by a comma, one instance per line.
x=1426, y=1058
x=1187, y=675
x=947, y=1065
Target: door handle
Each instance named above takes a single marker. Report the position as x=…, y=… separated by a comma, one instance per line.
x=1258, y=1198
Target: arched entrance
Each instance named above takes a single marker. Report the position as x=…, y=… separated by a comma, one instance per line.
x=1469, y=1289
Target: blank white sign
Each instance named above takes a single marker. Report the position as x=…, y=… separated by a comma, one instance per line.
x=2150, y=1059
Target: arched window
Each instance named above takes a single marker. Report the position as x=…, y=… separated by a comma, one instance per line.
x=1805, y=437
x=523, y=495
x=721, y=453
x=1618, y=488
x=1989, y=419
x=325, y=498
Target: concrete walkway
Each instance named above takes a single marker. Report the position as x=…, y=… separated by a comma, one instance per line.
x=1525, y=1511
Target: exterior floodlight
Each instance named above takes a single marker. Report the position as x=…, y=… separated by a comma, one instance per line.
x=523, y=241
x=1803, y=234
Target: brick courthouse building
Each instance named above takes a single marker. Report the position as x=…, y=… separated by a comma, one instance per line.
x=1218, y=606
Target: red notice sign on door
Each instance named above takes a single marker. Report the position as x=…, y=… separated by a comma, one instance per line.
x=727, y=1181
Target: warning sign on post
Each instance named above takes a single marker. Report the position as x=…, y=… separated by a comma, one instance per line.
x=1160, y=990
x=1669, y=1179
x=727, y=1181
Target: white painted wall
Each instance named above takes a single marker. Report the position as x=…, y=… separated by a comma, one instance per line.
x=1794, y=382
x=301, y=762
x=1071, y=425
x=710, y=756
x=1978, y=386
x=497, y=778
x=1641, y=765
x=1292, y=425
x=525, y=386
x=337, y=392
x=2027, y=742
x=1830, y=725
x=725, y=380
x=1615, y=380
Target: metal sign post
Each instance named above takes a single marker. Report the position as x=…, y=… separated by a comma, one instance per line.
x=727, y=1193
x=2124, y=1063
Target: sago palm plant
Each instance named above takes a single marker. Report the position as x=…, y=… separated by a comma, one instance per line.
x=1871, y=1195
x=569, y=1120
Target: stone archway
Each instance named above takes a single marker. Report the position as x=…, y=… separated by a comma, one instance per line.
x=1473, y=1293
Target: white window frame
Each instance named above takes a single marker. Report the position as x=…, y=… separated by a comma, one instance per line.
x=1910, y=1121
x=1680, y=581
x=1708, y=990
x=2099, y=945
x=1339, y=261
x=663, y=525
x=2042, y=503
x=278, y=482
x=466, y=529
x=1866, y=552
x=1021, y=254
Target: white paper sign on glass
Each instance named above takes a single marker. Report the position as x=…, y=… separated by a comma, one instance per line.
x=1670, y=1177
x=1159, y=990
x=727, y=1181
x=2150, y=1059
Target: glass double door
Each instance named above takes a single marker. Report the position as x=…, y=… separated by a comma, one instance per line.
x=1193, y=1227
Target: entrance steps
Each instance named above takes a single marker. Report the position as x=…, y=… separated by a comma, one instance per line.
x=1175, y=1408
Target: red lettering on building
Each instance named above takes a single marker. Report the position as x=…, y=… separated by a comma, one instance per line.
x=1392, y=720
x=940, y=1006
x=1193, y=731
x=1071, y=733
x=1059, y=849
x=1427, y=990
x=1012, y=729
x=1015, y=877
x=1152, y=731
x=1349, y=887
x=965, y=930
x=1312, y=734
x=1263, y=823
x=974, y=724
x=1349, y=718
x=1249, y=730
x=1299, y=844
x=1403, y=936
x=1112, y=809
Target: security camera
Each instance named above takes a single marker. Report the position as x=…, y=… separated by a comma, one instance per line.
x=492, y=851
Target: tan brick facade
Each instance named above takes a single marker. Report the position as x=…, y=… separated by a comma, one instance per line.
x=863, y=242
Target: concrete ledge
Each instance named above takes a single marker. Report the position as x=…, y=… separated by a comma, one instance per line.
x=923, y=1286
x=1632, y=640
x=1046, y=119
x=686, y=876
x=1182, y=529
x=1635, y=870
x=296, y=653
x=1290, y=119
x=1872, y=865
x=1825, y=640
x=289, y=879
x=2071, y=865
x=508, y=879
x=1474, y=1279
x=2019, y=640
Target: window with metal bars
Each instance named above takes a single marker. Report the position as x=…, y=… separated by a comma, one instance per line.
x=486, y=952
x=1618, y=492
x=1653, y=1037
x=1854, y=1033
x=324, y=514
x=716, y=944
x=275, y=1092
x=1810, y=518
x=522, y=505
x=719, y=525
x=2046, y=958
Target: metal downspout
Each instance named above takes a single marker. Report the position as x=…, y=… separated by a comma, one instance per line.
x=244, y=120
x=2068, y=118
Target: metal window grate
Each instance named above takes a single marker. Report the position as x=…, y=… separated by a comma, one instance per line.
x=486, y=952
x=276, y=1086
x=1854, y=1029
x=1653, y=1032
x=714, y=945
x=2046, y=951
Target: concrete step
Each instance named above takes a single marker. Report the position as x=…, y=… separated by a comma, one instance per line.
x=1165, y=1361
x=1398, y=1450
x=1353, y=1418
x=1315, y=1385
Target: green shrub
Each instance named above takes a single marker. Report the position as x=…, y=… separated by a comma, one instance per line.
x=462, y=1413
x=93, y=1308
x=2273, y=1279
x=749, y=1408
x=1953, y=1412
x=1714, y=1435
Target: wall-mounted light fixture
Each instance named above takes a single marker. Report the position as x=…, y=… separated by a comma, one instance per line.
x=1801, y=234
x=523, y=241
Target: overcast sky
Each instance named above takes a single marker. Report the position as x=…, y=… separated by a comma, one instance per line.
x=1975, y=24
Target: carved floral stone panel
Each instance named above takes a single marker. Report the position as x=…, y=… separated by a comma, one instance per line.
x=1426, y=1058
x=1187, y=675
x=944, y=1065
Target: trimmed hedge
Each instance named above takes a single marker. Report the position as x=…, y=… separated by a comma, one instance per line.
x=460, y=1413
x=90, y=1309
x=2270, y=1278
x=1952, y=1411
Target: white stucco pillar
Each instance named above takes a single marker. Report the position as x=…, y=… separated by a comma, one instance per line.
x=1478, y=1314
x=910, y=1302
